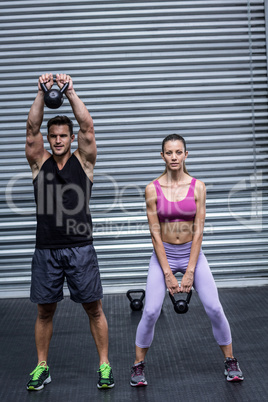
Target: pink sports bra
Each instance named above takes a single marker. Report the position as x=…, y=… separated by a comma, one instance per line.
x=175, y=211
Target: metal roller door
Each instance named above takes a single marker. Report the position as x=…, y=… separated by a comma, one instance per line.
x=145, y=69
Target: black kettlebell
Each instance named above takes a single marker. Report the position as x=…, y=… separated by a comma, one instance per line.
x=136, y=304
x=181, y=306
x=54, y=97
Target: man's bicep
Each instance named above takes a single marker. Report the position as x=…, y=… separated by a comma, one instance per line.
x=87, y=146
x=34, y=147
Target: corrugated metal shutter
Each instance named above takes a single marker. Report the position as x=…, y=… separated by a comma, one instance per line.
x=145, y=69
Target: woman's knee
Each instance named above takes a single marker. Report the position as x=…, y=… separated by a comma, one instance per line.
x=215, y=312
x=151, y=314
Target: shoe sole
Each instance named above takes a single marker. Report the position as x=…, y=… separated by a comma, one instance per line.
x=235, y=379
x=47, y=381
x=105, y=386
x=139, y=384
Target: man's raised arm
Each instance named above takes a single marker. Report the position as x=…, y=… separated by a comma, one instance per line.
x=34, y=149
x=87, y=148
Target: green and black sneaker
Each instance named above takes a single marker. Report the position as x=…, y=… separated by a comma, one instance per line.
x=106, y=379
x=39, y=377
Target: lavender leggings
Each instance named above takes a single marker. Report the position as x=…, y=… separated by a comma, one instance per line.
x=178, y=256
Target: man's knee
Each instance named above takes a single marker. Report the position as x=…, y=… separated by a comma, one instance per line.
x=94, y=309
x=46, y=311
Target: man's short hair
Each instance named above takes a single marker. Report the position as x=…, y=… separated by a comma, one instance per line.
x=60, y=121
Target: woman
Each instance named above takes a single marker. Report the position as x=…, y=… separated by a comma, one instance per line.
x=176, y=214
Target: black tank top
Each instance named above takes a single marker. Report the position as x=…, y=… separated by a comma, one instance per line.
x=62, y=198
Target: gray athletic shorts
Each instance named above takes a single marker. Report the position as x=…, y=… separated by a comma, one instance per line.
x=80, y=267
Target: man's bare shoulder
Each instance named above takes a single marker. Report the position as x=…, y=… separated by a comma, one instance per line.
x=36, y=165
x=87, y=165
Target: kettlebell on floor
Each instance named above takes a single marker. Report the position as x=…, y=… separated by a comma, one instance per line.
x=136, y=304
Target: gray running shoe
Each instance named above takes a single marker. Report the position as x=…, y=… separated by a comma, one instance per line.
x=137, y=375
x=232, y=370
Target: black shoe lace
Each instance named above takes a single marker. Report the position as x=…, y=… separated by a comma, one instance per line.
x=233, y=365
x=138, y=370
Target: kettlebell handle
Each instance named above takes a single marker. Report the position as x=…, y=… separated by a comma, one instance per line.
x=43, y=86
x=136, y=291
x=189, y=295
x=62, y=90
x=188, y=298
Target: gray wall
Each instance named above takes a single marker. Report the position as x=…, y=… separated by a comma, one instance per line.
x=144, y=69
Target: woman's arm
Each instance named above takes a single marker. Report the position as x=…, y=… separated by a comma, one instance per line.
x=198, y=228
x=154, y=225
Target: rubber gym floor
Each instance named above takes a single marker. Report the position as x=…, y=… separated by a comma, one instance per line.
x=184, y=362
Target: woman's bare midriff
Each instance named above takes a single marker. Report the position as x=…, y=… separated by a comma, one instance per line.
x=177, y=232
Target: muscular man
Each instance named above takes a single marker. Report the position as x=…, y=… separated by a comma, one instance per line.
x=62, y=187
